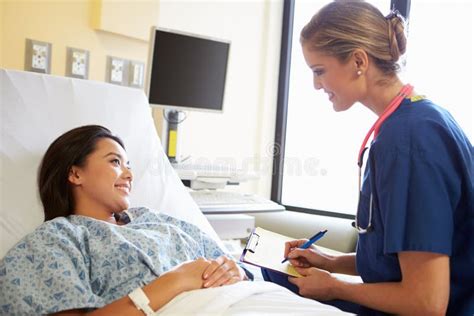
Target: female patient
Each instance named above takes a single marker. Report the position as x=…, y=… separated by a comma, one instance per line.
x=89, y=255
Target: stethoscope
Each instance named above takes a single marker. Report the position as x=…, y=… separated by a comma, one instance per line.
x=392, y=107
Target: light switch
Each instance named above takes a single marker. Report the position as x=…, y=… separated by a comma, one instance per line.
x=77, y=63
x=38, y=56
x=136, y=72
x=117, y=70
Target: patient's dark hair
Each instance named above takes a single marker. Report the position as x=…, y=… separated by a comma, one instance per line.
x=69, y=149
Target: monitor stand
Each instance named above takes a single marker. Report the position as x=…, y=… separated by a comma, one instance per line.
x=172, y=119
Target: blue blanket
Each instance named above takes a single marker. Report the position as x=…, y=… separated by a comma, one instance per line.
x=83, y=263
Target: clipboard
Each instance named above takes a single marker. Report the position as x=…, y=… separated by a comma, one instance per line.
x=265, y=249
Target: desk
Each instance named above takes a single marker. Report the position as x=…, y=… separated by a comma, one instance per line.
x=228, y=213
x=231, y=226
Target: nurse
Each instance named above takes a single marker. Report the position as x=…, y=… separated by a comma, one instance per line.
x=415, y=216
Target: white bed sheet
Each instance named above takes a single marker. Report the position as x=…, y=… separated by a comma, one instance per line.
x=245, y=298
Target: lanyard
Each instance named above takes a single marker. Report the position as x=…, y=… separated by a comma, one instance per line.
x=404, y=92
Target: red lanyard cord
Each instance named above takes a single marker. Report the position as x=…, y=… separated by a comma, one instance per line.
x=392, y=107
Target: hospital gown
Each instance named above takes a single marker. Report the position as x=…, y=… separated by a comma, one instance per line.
x=82, y=263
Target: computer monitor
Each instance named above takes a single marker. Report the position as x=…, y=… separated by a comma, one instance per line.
x=186, y=71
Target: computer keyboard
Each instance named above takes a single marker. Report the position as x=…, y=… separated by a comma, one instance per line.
x=190, y=171
x=214, y=201
x=204, y=167
x=224, y=197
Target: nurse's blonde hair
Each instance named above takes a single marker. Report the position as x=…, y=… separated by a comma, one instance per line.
x=343, y=26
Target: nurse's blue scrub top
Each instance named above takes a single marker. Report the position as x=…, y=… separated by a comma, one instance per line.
x=420, y=171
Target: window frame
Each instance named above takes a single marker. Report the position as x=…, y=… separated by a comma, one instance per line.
x=403, y=6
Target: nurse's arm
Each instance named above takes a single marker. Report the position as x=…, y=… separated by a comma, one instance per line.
x=424, y=289
x=345, y=264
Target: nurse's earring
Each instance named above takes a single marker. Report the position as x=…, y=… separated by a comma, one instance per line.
x=359, y=72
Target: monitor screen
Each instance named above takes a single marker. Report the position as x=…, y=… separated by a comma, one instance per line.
x=186, y=71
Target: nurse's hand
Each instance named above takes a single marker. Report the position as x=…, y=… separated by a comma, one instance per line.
x=222, y=271
x=305, y=258
x=315, y=283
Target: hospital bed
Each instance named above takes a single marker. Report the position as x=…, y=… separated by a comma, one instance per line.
x=37, y=108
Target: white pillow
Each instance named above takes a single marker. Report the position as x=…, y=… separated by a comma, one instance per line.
x=36, y=109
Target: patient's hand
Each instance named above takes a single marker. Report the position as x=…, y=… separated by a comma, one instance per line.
x=222, y=271
x=191, y=273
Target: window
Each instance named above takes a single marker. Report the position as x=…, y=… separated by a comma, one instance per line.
x=315, y=165
x=440, y=56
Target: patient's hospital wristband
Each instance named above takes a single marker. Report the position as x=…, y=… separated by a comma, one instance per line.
x=141, y=301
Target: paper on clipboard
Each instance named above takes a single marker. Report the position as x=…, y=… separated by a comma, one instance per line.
x=266, y=249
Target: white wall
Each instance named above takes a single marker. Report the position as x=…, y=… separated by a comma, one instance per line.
x=245, y=131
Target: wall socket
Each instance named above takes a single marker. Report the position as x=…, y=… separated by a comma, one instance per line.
x=117, y=70
x=38, y=56
x=77, y=63
x=136, y=73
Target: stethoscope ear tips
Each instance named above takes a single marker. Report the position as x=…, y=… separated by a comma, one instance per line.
x=353, y=224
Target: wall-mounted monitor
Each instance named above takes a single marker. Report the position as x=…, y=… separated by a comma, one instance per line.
x=186, y=71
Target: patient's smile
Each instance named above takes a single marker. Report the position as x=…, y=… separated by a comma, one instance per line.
x=124, y=188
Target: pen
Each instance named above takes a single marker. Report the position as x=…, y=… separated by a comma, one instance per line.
x=311, y=241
